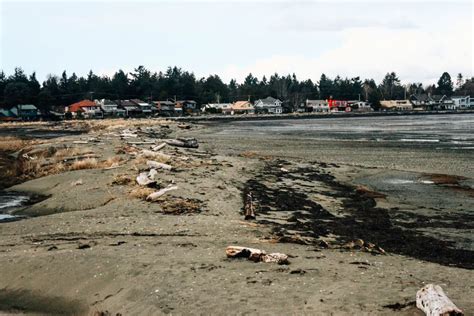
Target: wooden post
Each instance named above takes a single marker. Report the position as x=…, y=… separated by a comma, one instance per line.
x=249, y=208
x=432, y=300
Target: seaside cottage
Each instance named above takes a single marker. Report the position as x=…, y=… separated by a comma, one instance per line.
x=359, y=106
x=7, y=115
x=217, y=107
x=131, y=109
x=268, y=105
x=461, y=102
x=26, y=112
x=188, y=107
x=145, y=107
x=396, y=105
x=110, y=108
x=85, y=108
x=241, y=107
x=317, y=106
x=165, y=108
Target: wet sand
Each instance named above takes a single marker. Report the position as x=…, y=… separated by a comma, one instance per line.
x=91, y=247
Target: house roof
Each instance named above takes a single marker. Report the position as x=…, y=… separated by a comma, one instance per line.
x=139, y=102
x=316, y=102
x=268, y=101
x=459, y=96
x=27, y=107
x=108, y=102
x=165, y=102
x=218, y=105
x=81, y=104
x=242, y=105
x=125, y=103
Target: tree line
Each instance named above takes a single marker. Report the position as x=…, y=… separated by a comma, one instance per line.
x=176, y=83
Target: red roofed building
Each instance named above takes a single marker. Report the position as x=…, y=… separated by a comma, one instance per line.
x=88, y=108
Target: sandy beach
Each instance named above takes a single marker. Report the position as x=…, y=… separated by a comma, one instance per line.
x=366, y=220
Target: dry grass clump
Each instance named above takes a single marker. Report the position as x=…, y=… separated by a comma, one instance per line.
x=179, y=206
x=88, y=163
x=252, y=154
x=141, y=192
x=111, y=162
x=71, y=152
x=11, y=144
x=122, y=179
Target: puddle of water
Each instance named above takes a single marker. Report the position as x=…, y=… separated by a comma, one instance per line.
x=9, y=201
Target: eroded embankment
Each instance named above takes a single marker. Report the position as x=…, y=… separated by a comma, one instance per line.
x=287, y=197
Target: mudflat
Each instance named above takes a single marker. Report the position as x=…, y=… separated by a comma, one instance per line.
x=365, y=223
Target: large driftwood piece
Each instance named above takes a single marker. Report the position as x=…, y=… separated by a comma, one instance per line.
x=158, y=165
x=156, y=195
x=151, y=154
x=183, y=142
x=256, y=255
x=432, y=300
x=249, y=207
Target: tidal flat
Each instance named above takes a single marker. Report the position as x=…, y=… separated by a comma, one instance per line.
x=401, y=185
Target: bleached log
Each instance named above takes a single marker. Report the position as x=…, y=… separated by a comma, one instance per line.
x=156, y=195
x=151, y=154
x=144, y=180
x=158, y=147
x=158, y=165
x=183, y=142
x=432, y=300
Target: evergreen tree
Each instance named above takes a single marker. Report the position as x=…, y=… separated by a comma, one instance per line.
x=445, y=85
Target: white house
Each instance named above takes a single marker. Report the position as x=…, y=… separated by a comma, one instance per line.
x=396, y=105
x=360, y=106
x=317, y=105
x=110, y=108
x=268, y=105
x=217, y=107
x=461, y=102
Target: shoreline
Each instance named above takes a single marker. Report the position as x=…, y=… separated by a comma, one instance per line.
x=95, y=225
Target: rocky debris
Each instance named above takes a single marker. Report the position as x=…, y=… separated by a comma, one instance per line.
x=147, y=178
x=256, y=255
x=364, y=246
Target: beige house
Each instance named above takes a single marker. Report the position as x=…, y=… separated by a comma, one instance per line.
x=396, y=105
x=240, y=107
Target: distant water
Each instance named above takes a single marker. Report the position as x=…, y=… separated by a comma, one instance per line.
x=9, y=201
x=454, y=131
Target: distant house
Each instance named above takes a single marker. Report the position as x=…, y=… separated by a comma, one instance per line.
x=85, y=108
x=317, y=105
x=268, y=105
x=7, y=115
x=110, y=108
x=461, y=102
x=359, y=106
x=338, y=106
x=441, y=102
x=421, y=100
x=26, y=112
x=144, y=106
x=131, y=109
x=396, y=105
x=165, y=108
x=187, y=106
x=216, y=107
x=178, y=108
x=241, y=107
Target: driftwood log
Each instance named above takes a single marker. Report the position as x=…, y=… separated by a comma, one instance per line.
x=151, y=154
x=158, y=165
x=156, y=195
x=158, y=147
x=183, y=142
x=256, y=255
x=249, y=207
x=432, y=300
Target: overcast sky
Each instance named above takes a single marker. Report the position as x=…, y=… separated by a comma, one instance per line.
x=417, y=39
